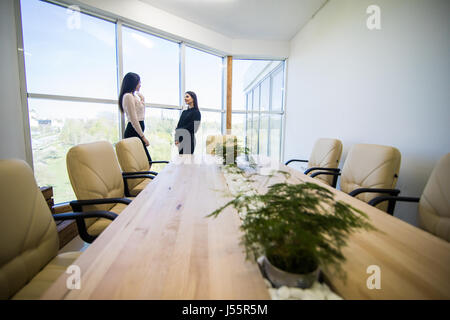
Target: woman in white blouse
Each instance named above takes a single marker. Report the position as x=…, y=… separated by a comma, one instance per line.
x=132, y=102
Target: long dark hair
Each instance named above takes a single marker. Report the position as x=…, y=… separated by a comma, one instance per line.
x=129, y=84
x=194, y=97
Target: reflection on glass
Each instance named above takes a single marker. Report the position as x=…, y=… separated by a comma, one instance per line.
x=265, y=94
x=238, y=127
x=277, y=91
x=211, y=124
x=156, y=61
x=67, y=52
x=160, y=127
x=204, y=73
x=275, y=136
x=245, y=75
x=55, y=127
x=264, y=135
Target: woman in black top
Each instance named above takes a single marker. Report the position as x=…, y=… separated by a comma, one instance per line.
x=188, y=125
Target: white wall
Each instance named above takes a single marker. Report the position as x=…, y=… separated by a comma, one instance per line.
x=11, y=121
x=388, y=86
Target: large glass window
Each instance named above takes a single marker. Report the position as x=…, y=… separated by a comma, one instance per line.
x=259, y=85
x=275, y=136
x=277, y=90
x=204, y=74
x=156, y=61
x=68, y=53
x=238, y=127
x=71, y=56
x=56, y=126
x=160, y=130
x=211, y=124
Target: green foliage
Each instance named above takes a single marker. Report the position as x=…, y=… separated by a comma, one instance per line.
x=297, y=226
x=230, y=150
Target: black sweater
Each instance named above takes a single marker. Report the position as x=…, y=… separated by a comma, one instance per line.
x=189, y=120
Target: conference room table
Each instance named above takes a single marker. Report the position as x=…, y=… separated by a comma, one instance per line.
x=162, y=246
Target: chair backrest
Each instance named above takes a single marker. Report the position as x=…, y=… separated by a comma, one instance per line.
x=95, y=174
x=132, y=158
x=434, y=205
x=213, y=140
x=371, y=166
x=326, y=153
x=28, y=236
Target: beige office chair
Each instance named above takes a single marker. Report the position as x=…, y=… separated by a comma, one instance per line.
x=97, y=182
x=369, y=171
x=325, y=156
x=134, y=161
x=434, y=204
x=29, y=243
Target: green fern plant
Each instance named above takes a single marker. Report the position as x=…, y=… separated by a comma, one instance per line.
x=298, y=227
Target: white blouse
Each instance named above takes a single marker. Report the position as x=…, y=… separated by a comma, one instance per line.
x=134, y=108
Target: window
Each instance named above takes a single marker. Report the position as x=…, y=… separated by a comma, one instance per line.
x=211, y=124
x=259, y=85
x=204, y=74
x=238, y=127
x=277, y=91
x=55, y=127
x=156, y=61
x=160, y=130
x=68, y=59
x=71, y=74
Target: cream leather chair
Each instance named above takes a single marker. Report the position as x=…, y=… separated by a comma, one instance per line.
x=213, y=140
x=134, y=162
x=97, y=182
x=325, y=156
x=29, y=243
x=434, y=204
x=369, y=171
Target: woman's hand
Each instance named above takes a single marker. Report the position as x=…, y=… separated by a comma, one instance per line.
x=177, y=143
x=141, y=96
x=145, y=141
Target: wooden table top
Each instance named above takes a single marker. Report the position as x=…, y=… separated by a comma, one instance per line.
x=162, y=247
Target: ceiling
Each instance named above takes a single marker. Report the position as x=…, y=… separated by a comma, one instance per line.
x=276, y=20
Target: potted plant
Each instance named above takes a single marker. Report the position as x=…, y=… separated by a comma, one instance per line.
x=228, y=149
x=295, y=229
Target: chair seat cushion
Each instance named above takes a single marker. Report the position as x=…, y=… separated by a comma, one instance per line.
x=47, y=276
x=141, y=186
x=100, y=224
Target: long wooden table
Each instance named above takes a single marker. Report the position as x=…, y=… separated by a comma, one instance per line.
x=162, y=247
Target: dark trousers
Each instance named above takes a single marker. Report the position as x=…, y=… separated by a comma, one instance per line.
x=130, y=132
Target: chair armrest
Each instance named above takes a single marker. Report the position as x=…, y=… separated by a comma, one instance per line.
x=321, y=168
x=151, y=162
x=392, y=201
x=137, y=176
x=328, y=173
x=84, y=215
x=294, y=160
x=392, y=192
x=78, y=204
x=139, y=172
x=81, y=225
